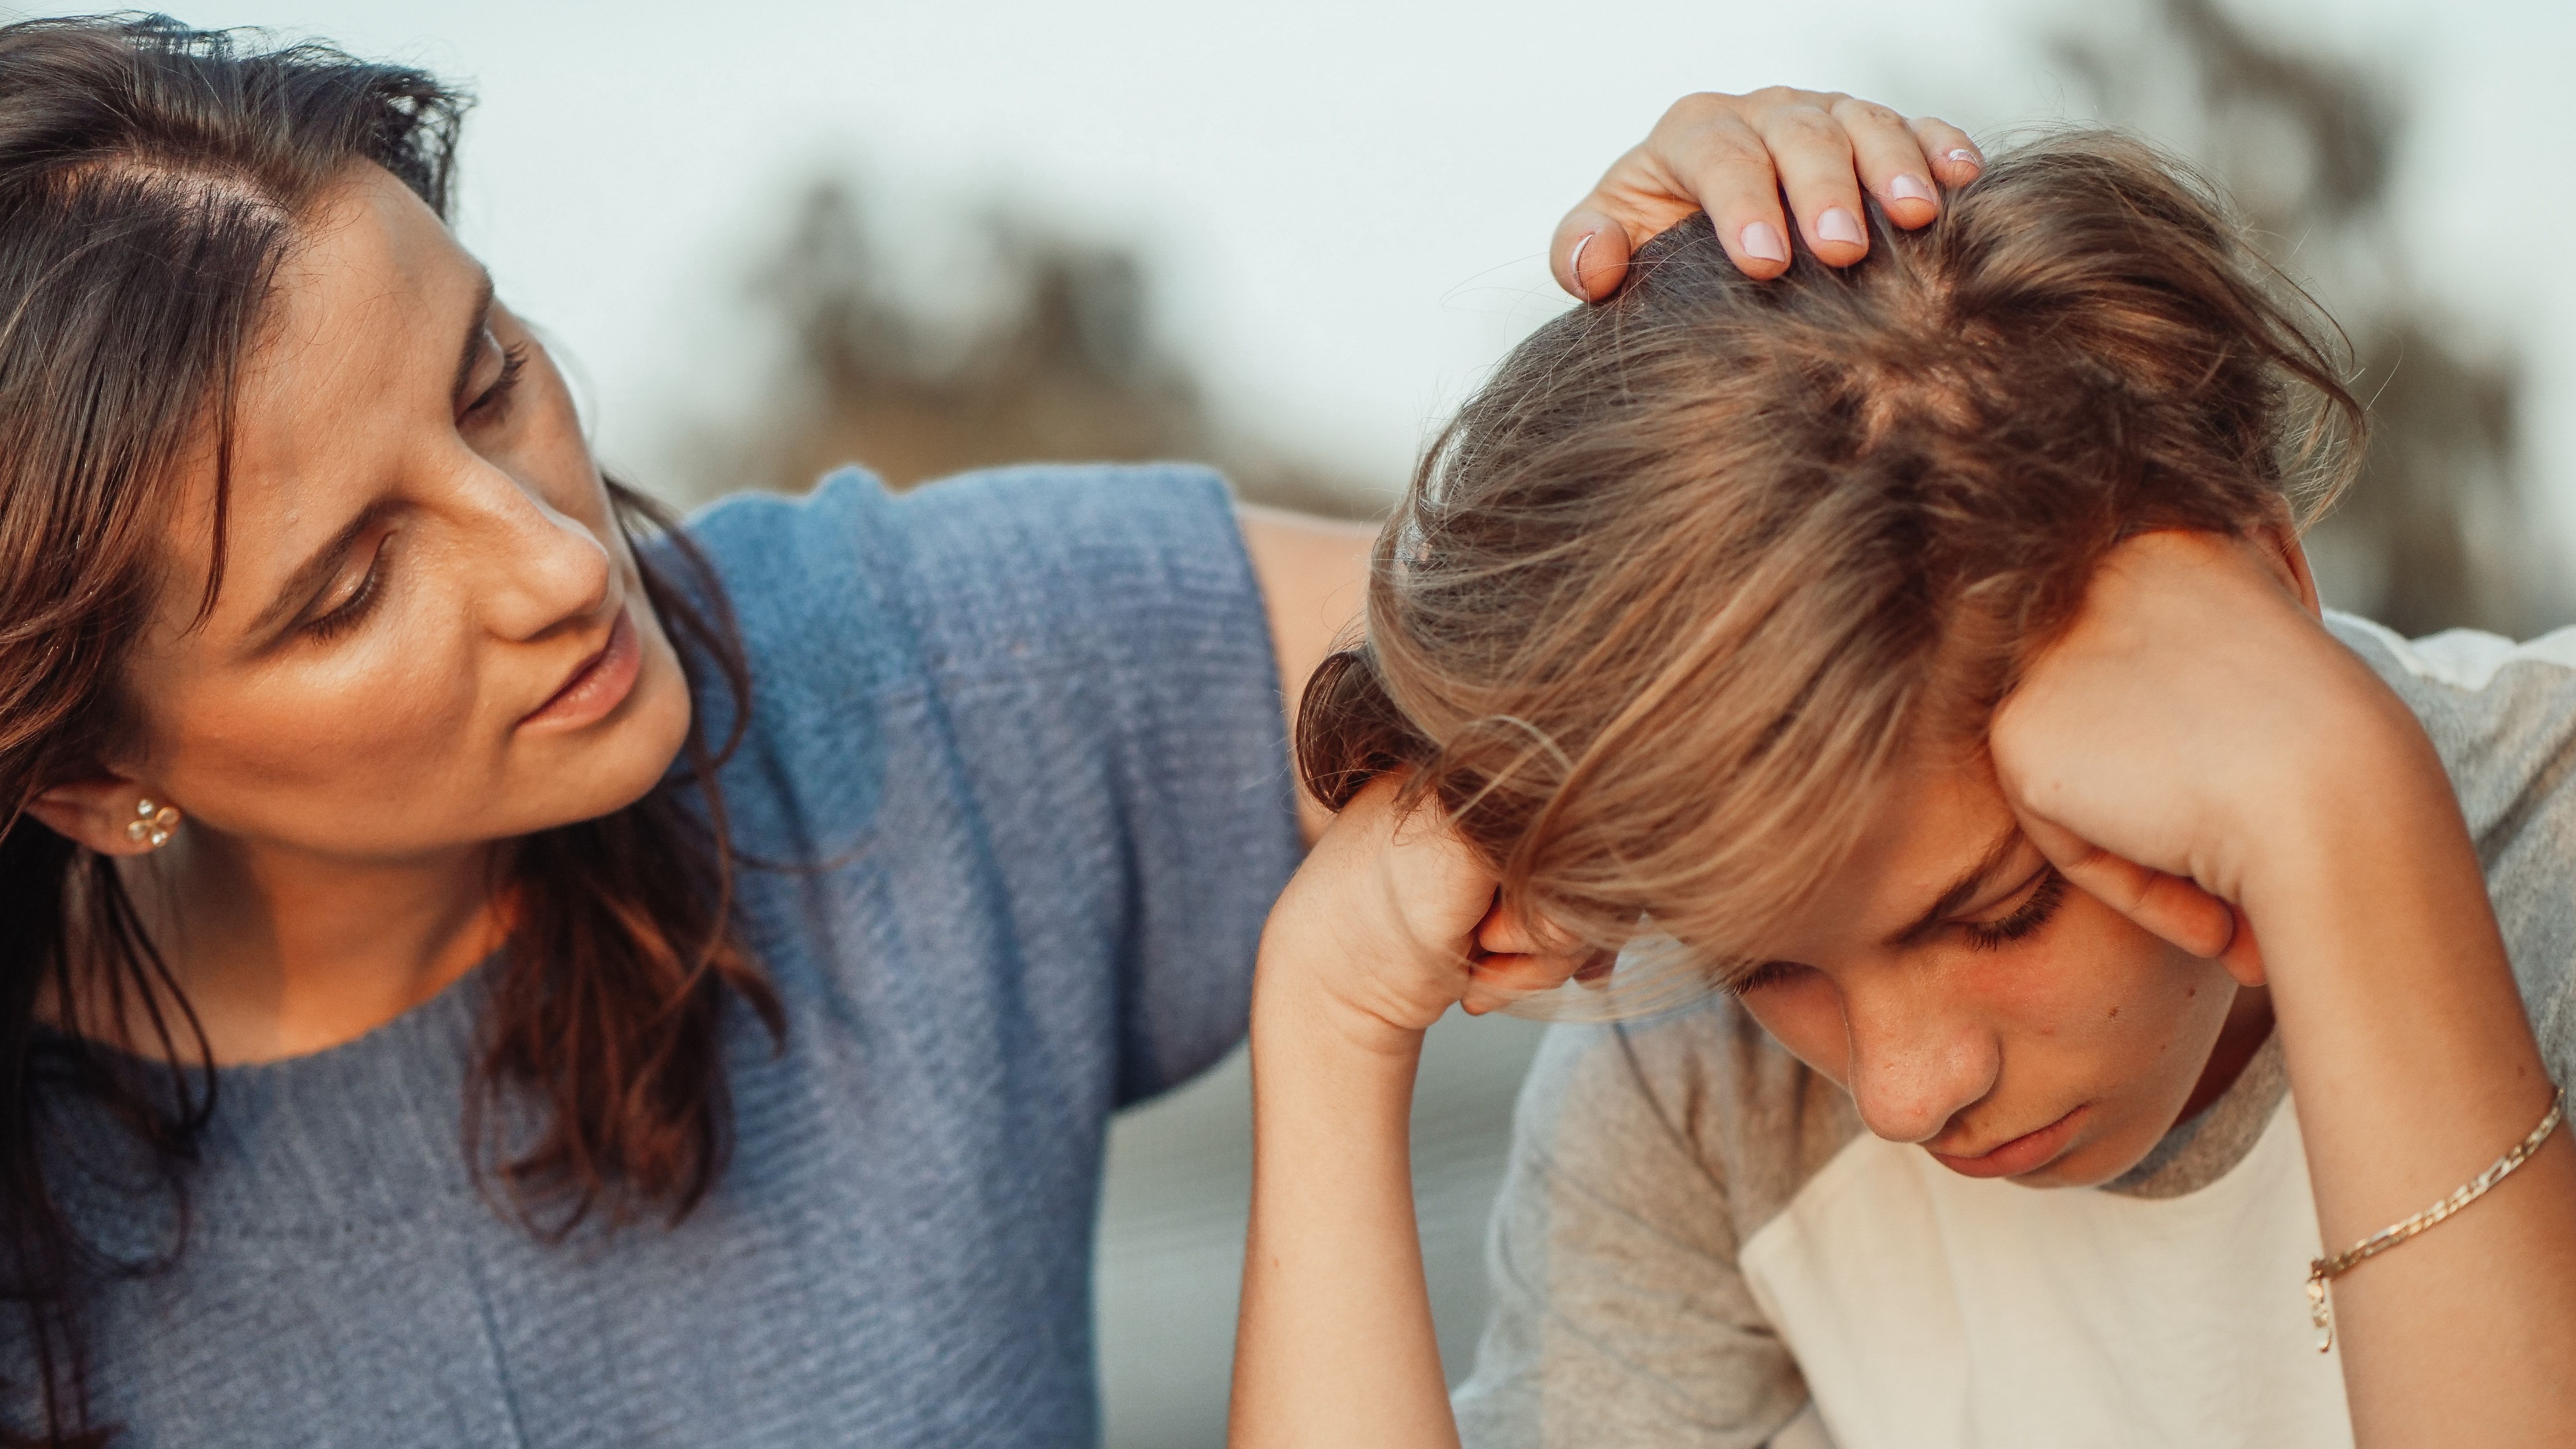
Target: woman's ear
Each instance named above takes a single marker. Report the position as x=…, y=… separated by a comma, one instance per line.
x=108, y=814
x=2280, y=540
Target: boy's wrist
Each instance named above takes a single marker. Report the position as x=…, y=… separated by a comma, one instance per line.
x=2367, y=822
x=1297, y=1005
x=2356, y=768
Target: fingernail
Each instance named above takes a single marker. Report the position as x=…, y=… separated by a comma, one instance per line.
x=1574, y=267
x=1910, y=187
x=1763, y=240
x=1838, y=225
x=1967, y=156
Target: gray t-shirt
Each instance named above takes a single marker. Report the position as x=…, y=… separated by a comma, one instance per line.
x=1698, y=1246
x=1017, y=740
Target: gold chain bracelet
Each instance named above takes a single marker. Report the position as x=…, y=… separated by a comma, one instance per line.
x=2321, y=1312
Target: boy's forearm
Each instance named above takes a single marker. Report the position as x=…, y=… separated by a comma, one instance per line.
x=1335, y=1345
x=2414, y=1068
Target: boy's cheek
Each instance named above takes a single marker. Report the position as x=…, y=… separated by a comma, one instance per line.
x=1805, y=1018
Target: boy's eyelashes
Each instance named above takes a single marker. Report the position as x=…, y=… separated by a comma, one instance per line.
x=1769, y=973
x=2039, y=897
x=2042, y=895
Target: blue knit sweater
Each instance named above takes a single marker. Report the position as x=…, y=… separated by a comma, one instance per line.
x=1027, y=725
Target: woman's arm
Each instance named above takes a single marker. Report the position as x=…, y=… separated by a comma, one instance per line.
x=1314, y=577
x=2196, y=738
x=1387, y=924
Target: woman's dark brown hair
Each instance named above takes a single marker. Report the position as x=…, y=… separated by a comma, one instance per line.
x=1673, y=592
x=151, y=178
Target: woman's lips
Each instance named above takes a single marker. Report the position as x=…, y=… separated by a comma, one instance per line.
x=2029, y=1152
x=599, y=686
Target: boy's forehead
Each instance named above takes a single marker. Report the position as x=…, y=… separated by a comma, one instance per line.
x=1939, y=823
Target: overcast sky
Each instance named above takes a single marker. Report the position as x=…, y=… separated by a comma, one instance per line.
x=1345, y=203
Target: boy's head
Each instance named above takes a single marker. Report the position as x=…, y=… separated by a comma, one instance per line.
x=1695, y=618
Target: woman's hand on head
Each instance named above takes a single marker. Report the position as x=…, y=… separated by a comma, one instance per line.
x=1734, y=156
x=1392, y=920
x=2195, y=722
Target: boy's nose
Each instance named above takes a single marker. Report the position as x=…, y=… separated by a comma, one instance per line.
x=1912, y=1069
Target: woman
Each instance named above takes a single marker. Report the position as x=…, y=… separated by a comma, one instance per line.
x=780, y=904
x=1926, y=654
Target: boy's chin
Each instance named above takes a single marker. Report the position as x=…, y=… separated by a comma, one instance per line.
x=2092, y=1163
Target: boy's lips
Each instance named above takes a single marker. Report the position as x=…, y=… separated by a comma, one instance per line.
x=2027, y=1153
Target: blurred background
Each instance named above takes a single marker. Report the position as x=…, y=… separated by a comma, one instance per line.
x=1287, y=238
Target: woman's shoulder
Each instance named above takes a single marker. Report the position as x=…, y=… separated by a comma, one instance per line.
x=857, y=586
x=1009, y=642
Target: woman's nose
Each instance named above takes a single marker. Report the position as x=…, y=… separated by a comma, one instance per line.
x=1913, y=1065
x=544, y=569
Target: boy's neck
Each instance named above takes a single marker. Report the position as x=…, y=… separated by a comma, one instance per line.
x=2248, y=1026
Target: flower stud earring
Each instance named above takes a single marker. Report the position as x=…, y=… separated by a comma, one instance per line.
x=152, y=824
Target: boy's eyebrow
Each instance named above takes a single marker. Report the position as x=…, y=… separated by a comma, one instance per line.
x=1966, y=888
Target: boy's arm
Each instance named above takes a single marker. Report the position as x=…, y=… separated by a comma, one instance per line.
x=1620, y=1308
x=2197, y=751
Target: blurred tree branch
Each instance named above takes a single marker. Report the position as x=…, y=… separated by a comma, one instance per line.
x=2439, y=531
x=1060, y=362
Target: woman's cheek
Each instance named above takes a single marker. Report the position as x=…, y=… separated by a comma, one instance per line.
x=396, y=707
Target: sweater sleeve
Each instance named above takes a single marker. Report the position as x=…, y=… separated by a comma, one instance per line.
x=1071, y=669
x=1096, y=638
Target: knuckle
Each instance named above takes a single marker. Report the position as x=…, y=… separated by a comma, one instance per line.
x=1852, y=111
x=1698, y=109
x=1806, y=125
x=1735, y=156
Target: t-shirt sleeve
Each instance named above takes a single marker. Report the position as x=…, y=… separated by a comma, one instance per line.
x=1096, y=638
x=1619, y=1315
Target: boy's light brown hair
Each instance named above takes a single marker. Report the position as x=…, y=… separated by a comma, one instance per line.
x=1669, y=598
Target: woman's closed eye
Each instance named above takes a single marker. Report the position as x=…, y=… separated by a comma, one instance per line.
x=492, y=404
x=2038, y=900
x=352, y=610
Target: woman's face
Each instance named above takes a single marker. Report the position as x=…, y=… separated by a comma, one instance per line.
x=430, y=633
x=1974, y=1002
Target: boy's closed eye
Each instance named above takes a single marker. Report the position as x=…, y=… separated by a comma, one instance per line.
x=2024, y=912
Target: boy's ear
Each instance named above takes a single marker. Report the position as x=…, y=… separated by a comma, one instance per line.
x=2280, y=540
x=96, y=812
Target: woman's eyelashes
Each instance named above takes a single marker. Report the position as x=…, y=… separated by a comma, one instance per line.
x=2047, y=893
x=349, y=613
x=493, y=403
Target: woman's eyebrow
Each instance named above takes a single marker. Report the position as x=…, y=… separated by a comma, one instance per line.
x=473, y=348
x=1971, y=884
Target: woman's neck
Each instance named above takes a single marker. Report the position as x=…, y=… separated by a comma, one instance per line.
x=282, y=953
